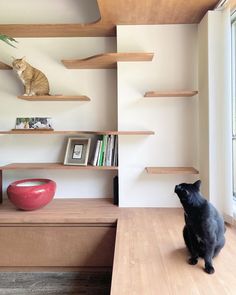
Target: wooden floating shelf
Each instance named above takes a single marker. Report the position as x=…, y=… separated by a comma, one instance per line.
x=107, y=60
x=55, y=98
x=58, y=30
x=4, y=66
x=170, y=93
x=41, y=131
x=171, y=170
x=53, y=166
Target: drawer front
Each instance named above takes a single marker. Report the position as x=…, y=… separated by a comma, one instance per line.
x=68, y=246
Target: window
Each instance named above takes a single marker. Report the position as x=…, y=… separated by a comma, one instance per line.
x=234, y=106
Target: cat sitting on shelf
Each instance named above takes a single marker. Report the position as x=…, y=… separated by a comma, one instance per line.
x=35, y=82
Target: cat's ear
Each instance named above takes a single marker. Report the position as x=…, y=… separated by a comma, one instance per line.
x=197, y=184
x=23, y=58
x=13, y=57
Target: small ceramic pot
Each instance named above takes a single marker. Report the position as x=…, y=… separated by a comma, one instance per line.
x=31, y=194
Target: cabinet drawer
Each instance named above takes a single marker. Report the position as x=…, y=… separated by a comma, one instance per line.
x=68, y=246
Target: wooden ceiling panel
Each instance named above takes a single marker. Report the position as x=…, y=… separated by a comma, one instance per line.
x=117, y=12
x=154, y=11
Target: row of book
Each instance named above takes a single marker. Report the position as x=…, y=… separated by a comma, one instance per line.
x=106, y=151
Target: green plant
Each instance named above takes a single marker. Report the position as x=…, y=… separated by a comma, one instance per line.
x=8, y=40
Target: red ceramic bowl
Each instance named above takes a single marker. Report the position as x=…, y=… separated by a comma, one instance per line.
x=31, y=194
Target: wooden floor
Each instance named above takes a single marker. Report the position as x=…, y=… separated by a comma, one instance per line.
x=150, y=255
x=55, y=283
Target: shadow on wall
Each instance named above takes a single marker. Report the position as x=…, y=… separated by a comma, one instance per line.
x=50, y=12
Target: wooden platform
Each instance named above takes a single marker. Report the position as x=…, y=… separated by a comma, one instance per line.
x=150, y=256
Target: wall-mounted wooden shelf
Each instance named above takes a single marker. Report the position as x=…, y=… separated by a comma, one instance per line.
x=107, y=60
x=58, y=30
x=170, y=93
x=55, y=98
x=53, y=166
x=24, y=131
x=171, y=170
x=4, y=66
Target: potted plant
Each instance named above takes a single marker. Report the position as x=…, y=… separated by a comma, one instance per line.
x=8, y=40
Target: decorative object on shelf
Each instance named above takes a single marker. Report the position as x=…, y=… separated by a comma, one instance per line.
x=31, y=194
x=8, y=40
x=116, y=190
x=77, y=151
x=36, y=123
x=35, y=82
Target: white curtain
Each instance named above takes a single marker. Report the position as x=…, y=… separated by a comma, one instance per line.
x=215, y=95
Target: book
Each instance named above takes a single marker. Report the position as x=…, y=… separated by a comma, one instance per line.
x=105, y=150
x=102, y=151
x=99, y=152
x=110, y=150
x=95, y=159
x=115, y=153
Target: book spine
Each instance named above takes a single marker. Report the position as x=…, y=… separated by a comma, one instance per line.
x=99, y=152
x=111, y=151
x=102, y=151
x=95, y=159
x=115, y=159
x=105, y=150
x=108, y=150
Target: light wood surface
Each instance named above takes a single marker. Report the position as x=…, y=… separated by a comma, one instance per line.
x=184, y=93
x=53, y=166
x=66, y=132
x=150, y=255
x=119, y=12
x=63, y=211
x=59, y=30
x=4, y=66
x=107, y=60
x=55, y=98
x=171, y=170
x=57, y=246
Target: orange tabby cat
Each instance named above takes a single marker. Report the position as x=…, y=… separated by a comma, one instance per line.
x=35, y=82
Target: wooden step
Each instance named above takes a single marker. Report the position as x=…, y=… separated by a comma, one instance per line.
x=171, y=170
x=107, y=60
x=55, y=97
x=58, y=30
x=74, y=132
x=184, y=93
x=53, y=166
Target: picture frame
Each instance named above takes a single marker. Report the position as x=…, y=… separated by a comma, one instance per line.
x=34, y=123
x=77, y=151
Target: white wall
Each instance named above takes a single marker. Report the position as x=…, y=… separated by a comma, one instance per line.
x=99, y=114
x=174, y=120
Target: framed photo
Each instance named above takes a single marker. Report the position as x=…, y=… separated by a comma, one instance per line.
x=34, y=123
x=77, y=151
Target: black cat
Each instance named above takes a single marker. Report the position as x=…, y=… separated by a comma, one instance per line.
x=204, y=226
